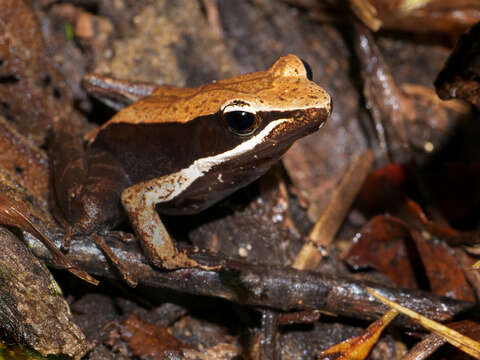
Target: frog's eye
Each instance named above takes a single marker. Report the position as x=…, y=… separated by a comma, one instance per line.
x=240, y=121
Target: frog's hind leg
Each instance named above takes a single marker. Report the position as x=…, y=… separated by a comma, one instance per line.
x=87, y=188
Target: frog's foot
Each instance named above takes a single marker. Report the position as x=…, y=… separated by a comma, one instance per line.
x=123, y=269
x=179, y=260
x=187, y=259
x=99, y=240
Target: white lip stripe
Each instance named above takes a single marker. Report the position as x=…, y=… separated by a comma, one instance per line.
x=184, y=178
x=205, y=164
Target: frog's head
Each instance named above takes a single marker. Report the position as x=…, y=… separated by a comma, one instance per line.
x=259, y=117
x=278, y=105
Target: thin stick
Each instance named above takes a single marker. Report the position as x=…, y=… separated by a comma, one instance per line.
x=327, y=226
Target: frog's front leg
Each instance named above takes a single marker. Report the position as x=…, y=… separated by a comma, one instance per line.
x=139, y=202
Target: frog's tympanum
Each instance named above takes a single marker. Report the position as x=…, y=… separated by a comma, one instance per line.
x=178, y=151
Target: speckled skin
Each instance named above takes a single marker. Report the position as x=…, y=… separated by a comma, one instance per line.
x=283, y=87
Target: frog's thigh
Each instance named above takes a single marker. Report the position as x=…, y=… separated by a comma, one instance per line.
x=139, y=202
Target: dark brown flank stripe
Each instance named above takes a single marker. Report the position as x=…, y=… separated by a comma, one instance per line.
x=71, y=166
x=106, y=166
x=102, y=166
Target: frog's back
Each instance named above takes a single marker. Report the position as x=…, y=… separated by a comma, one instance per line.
x=171, y=105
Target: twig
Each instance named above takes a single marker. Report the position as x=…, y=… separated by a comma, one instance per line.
x=389, y=109
x=327, y=226
x=258, y=285
x=299, y=317
x=213, y=17
x=367, y=13
x=424, y=348
x=268, y=342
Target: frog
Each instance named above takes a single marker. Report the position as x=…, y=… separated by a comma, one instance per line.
x=178, y=151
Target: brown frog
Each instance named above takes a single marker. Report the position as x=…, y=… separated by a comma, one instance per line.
x=179, y=150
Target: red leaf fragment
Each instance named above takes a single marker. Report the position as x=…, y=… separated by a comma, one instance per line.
x=148, y=341
x=384, y=244
x=381, y=244
x=445, y=275
x=442, y=231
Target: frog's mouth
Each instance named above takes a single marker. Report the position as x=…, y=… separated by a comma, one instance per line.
x=296, y=123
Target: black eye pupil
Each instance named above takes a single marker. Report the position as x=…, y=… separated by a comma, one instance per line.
x=240, y=121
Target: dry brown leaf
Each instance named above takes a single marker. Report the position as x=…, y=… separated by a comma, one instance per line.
x=359, y=347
